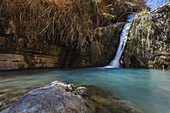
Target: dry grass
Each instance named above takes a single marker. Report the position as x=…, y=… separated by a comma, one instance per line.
x=67, y=22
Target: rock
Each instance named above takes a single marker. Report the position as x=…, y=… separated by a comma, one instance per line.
x=11, y=62
x=9, y=97
x=47, y=54
x=149, y=40
x=62, y=97
x=50, y=99
x=19, y=37
x=99, y=52
x=103, y=101
x=82, y=91
x=42, y=61
x=17, y=61
x=37, y=55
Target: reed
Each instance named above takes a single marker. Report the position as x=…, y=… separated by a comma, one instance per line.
x=67, y=22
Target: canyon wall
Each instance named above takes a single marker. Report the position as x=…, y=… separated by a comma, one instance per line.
x=148, y=43
x=21, y=53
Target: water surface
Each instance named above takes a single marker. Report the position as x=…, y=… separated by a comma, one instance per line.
x=148, y=89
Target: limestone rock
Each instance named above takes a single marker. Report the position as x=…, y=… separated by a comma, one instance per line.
x=47, y=54
x=27, y=61
x=13, y=48
x=42, y=61
x=100, y=51
x=61, y=97
x=149, y=40
x=57, y=97
x=12, y=61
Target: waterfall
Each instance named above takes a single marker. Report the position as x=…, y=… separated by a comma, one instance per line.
x=115, y=63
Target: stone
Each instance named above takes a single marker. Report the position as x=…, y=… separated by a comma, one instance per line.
x=27, y=61
x=103, y=101
x=148, y=45
x=37, y=55
x=101, y=50
x=12, y=62
x=62, y=97
x=52, y=98
x=45, y=61
x=46, y=54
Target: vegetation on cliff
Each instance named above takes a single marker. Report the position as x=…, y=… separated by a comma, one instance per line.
x=68, y=22
x=149, y=43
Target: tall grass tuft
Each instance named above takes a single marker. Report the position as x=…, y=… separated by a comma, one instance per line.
x=67, y=22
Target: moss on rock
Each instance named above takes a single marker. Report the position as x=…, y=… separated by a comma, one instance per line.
x=103, y=101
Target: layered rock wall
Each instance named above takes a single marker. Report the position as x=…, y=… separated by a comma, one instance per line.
x=19, y=53
x=48, y=54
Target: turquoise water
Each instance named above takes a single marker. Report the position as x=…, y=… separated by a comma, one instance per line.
x=148, y=89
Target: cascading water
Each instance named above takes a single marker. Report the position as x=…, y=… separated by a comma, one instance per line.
x=115, y=63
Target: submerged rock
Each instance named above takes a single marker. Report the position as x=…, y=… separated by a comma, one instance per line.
x=103, y=101
x=61, y=97
x=148, y=44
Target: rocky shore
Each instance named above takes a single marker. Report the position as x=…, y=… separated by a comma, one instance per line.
x=59, y=97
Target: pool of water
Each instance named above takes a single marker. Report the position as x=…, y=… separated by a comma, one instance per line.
x=148, y=89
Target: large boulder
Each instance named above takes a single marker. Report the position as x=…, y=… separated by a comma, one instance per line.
x=61, y=97
x=148, y=45
x=57, y=97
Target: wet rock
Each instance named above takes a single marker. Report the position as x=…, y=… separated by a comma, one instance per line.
x=50, y=99
x=148, y=45
x=46, y=54
x=59, y=97
x=100, y=51
x=102, y=101
x=9, y=97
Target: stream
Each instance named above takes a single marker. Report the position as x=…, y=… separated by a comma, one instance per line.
x=148, y=89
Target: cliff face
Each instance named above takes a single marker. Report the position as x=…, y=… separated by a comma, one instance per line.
x=18, y=53
x=48, y=34
x=148, y=44
x=21, y=53
x=99, y=52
